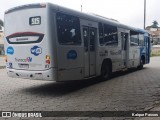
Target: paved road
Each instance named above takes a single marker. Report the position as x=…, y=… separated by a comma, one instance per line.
x=134, y=90
x=2, y=61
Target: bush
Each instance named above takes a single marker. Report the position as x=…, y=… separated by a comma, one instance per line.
x=155, y=53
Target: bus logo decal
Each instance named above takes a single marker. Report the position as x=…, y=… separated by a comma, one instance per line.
x=115, y=52
x=10, y=50
x=28, y=59
x=72, y=54
x=35, y=50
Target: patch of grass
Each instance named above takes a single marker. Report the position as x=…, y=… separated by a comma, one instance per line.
x=155, y=53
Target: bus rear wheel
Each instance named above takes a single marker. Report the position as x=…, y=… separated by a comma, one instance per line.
x=105, y=71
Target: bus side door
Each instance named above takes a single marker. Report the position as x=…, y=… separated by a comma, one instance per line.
x=89, y=33
x=124, y=35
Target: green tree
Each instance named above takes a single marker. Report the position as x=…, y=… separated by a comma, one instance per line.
x=155, y=42
x=1, y=24
x=155, y=24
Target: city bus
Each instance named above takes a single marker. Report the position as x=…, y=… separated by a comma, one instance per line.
x=50, y=42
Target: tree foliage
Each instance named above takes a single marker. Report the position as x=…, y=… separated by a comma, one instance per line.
x=155, y=24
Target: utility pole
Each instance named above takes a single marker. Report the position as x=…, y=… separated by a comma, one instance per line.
x=144, y=14
x=81, y=8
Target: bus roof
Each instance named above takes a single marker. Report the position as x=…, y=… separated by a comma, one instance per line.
x=95, y=17
x=28, y=6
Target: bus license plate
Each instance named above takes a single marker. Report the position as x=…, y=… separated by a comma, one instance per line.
x=25, y=66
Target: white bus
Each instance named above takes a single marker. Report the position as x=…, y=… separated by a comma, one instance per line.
x=50, y=42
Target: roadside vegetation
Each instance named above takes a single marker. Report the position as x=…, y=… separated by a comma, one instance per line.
x=155, y=53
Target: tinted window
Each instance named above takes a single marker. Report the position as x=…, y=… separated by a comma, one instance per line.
x=86, y=38
x=124, y=38
x=101, y=34
x=92, y=38
x=68, y=28
x=110, y=35
x=141, y=40
x=134, y=37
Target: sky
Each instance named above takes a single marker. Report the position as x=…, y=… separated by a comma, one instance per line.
x=129, y=12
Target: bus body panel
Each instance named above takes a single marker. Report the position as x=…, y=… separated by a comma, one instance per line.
x=134, y=56
x=70, y=67
x=50, y=74
x=27, y=42
x=27, y=53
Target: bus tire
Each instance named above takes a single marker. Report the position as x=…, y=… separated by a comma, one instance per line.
x=105, y=71
x=141, y=65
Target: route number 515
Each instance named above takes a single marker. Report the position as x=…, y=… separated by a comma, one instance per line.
x=35, y=20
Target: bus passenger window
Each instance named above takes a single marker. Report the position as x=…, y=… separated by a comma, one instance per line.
x=101, y=34
x=92, y=39
x=141, y=39
x=110, y=35
x=134, y=38
x=85, y=37
x=68, y=29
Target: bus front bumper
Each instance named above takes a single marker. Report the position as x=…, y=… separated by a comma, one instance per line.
x=50, y=74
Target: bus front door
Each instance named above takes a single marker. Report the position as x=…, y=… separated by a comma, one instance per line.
x=89, y=37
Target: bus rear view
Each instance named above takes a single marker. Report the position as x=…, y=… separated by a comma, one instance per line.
x=26, y=43
x=50, y=42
